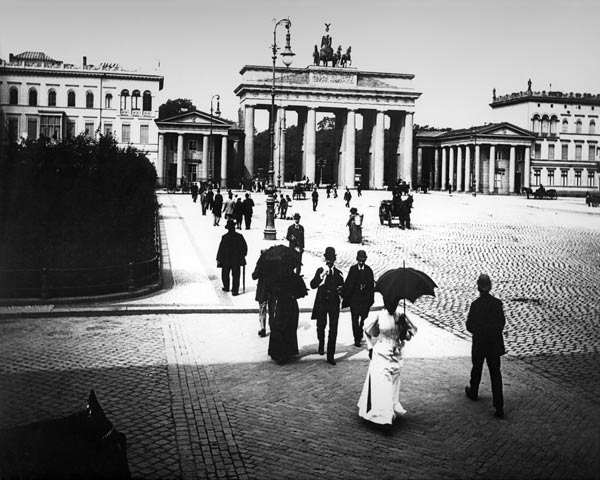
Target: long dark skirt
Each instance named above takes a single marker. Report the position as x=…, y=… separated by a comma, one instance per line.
x=283, y=340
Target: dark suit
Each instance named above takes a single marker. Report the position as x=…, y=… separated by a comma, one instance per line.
x=358, y=293
x=486, y=322
x=327, y=303
x=230, y=257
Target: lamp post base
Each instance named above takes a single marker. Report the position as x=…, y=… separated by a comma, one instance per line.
x=270, y=233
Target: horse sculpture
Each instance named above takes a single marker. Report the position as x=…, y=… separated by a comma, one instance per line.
x=82, y=445
x=346, y=58
x=326, y=55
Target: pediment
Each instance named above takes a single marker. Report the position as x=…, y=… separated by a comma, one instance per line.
x=504, y=129
x=196, y=118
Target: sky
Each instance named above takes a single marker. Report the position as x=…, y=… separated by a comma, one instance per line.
x=458, y=50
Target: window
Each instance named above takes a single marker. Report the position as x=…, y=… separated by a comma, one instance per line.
x=147, y=101
x=89, y=100
x=32, y=128
x=71, y=126
x=50, y=126
x=578, y=126
x=564, y=177
x=13, y=129
x=51, y=98
x=124, y=96
x=192, y=145
x=592, y=153
x=108, y=129
x=536, y=124
x=553, y=126
x=32, y=97
x=126, y=133
x=551, y=177
x=565, y=126
x=592, y=127
x=536, y=177
x=564, y=151
x=578, y=149
x=545, y=124
x=13, y=96
x=538, y=151
x=144, y=129
x=108, y=101
x=550, y=152
x=71, y=98
x=135, y=100
x=578, y=178
x=89, y=128
x=591, y=178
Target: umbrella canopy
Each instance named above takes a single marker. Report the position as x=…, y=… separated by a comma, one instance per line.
x=278, y=260
x=404, y=283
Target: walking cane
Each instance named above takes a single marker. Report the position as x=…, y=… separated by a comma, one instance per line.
x=244, y=278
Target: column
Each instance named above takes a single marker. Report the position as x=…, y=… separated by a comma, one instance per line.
x=438, y=170
x=302, y=115
x=492, y=172
x=339, y=172
x=511, y=170
x=311, y=143
x=477, y=167
x=179, y=158
x=420, y=166
x=396, y=121
x=350, y=155
x=526, y=173
x=248, y=170
x=224, y=161
x=379, y=150
x=205, y=159
x=408, y=148
x=400, y=149
x=444, y=169
x=467, y=168
x=451, y=169
x=459, y=182
x=160, y=161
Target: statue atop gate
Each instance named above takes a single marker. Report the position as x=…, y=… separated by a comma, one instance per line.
x=326, y=54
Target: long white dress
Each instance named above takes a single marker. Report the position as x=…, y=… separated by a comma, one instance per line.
x=379, y=401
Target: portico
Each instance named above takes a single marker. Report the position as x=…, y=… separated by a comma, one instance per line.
x=346, y=93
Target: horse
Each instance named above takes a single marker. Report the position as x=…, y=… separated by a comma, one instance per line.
x=346, y=57
x=82, y=445
x=326, y=55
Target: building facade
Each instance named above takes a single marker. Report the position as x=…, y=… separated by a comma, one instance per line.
x=41, y=96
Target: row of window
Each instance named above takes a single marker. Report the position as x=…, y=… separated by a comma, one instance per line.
x=564, y=178
x=146, y=99
x=564, y=152
x=546, y=125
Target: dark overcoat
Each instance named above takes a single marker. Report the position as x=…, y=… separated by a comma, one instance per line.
x=328, y=297
x=232, y=250
x=352, y=293
x=486, y=322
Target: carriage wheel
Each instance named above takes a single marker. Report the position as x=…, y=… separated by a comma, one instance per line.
x=389, y=219
x=381, y=219
x=552, y=195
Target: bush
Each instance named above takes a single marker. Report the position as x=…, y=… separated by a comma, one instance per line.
x=78, y=203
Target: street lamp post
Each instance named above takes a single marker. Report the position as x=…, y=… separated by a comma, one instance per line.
x=211, y=160
x=287, y=55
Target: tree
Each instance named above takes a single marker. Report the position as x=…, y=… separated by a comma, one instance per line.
x=175, y=107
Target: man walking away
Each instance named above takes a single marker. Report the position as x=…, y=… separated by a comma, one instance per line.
x=231, y=256
x=486, y=322
x=358, y=293
x=248, y=209
x=315, y=199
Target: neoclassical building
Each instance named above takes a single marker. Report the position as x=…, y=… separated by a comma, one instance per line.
x=346, y=93
x=43, y=96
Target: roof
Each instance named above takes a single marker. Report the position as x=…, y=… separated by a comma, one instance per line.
x=34, y=56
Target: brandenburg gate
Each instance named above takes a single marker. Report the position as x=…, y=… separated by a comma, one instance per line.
x=344, y=92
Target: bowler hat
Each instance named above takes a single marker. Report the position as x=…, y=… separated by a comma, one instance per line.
x=230, y=225
x=484, y=283
x=361, y=255
x=353, y=210
x=330, y=253
x=296, y=216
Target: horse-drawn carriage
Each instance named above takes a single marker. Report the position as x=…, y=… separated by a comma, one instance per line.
x=399, y=207
x=299, y=190
x=541, y=193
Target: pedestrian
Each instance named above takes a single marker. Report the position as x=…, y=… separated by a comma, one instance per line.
x=354, y=225
x=203, y=201
x=358, y=293
x=228, y=205
x=359, y=189
x=295, y=235
x=315, y=199
x=209, y=200
x=231, y=256
x=194, y=191
x=248, y=209
x=405, y=206
x=260, y=275
x=335, y=195
x=379, y=400
x=449, y=188
x=328, y=190
x=347, y=197
x=217, y=207
x=283, y=206
x=486, y=322
x=284, y=291
x=238, y=212
x=328, y=281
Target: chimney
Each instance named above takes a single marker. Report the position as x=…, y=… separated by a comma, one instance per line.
x=84, y=62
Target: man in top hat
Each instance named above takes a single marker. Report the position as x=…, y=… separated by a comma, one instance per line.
x=295, y=235
x=231, y=256
x=358, y=293
x=328, y=281
x=486, y=322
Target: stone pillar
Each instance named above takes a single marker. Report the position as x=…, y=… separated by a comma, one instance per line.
x=311, y=143
x=179, y=158
x=526, y=173
x=350, y=155
x=511, y=170
x=451, y=168
x=379, y=150
x=339, y=164
x=492, y=172
x=160, y=161
x=302, y=128
x=444, y=169
x=224, y=139
x=408, y=148
x=420, y=166
x=205, y=159
x=459, y=179
x=477, y=167
x=438, y=170
x=467, y=168
x=248, y=171
x=400, y=149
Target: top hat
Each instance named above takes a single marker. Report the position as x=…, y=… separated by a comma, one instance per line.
x=230, y=225
x=330, y=253
x=484, y=283
x=361, y=255
x=296, y=216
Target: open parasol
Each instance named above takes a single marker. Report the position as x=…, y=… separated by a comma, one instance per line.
x=404, y=283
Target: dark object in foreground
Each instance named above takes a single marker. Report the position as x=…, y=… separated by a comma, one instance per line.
x=82, y=445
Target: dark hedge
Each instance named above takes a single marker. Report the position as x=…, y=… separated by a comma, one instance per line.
x=78, y=203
